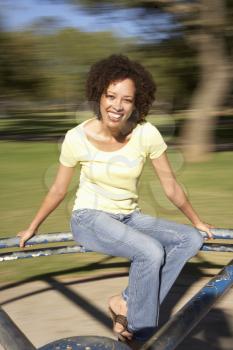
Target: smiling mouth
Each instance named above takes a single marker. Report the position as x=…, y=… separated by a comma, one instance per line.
x=115, y=116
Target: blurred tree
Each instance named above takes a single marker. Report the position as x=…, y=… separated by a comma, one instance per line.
x=48, y=66
x=67, y=55
x=173, y=65
x=20, y=75
x=214, y=85
x=207, y=27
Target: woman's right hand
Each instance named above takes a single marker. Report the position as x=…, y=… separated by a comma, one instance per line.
x=25, y=236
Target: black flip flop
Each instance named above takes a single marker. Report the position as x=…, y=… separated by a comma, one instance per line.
x=123, y=321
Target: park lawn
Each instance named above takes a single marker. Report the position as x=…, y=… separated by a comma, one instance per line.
x=28, y=169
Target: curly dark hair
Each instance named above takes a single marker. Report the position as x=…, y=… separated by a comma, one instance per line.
x=116, y=68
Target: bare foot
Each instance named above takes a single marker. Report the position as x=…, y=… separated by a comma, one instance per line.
x=119, y=307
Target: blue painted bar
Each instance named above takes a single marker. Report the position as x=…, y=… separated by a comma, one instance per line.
x=219, y=233
x=68, y=237
x=41, y=252
x=35, y=253
x=38, y=239
x=9, y=256
x=214, y=247
x=179, y=326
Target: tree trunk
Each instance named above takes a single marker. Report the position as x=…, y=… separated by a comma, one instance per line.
x=197, y=137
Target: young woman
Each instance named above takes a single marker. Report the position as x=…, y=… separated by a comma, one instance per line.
x=112, y=148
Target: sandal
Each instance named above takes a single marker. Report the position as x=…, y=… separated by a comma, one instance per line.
x=123, y=321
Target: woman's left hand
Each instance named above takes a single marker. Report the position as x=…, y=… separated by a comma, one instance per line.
x=202, y=226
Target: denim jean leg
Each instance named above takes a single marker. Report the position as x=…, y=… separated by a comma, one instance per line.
x=101, y=232
x=188, y=243
x=180, y=242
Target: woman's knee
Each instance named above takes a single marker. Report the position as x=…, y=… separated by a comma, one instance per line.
x=195, y=241
x=152, y=252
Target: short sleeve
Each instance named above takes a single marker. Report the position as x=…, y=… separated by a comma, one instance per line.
x=154, y=141
x=68, y=156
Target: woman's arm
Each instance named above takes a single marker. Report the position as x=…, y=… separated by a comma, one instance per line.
x=175, y=193
x=54, y=197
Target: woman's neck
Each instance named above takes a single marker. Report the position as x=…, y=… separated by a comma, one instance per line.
x=119, y=133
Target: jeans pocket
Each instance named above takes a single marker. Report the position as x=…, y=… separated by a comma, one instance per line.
x=84, y=217
x=79, y=214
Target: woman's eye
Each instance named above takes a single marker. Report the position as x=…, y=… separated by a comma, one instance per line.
x=111, y=97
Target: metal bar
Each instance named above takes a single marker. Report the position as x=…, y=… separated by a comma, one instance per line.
x=217, y=247
x=79, y=249
x=68, y=237
x=42, y=252
x=219, y=233
x=177, y=328
x=38, y=239
x=11, y=337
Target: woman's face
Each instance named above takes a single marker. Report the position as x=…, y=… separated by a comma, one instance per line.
x=117, y=103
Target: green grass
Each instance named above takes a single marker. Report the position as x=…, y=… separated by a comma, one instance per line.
x=27, y=170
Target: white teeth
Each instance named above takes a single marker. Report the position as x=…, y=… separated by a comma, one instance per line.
x=114, y=116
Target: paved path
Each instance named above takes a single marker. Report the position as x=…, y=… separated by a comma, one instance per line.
x=55, y=308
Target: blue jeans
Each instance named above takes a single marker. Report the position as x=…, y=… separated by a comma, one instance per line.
x=157, y=249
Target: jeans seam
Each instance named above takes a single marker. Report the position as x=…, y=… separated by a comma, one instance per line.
x=176, y=246
x=138, y=278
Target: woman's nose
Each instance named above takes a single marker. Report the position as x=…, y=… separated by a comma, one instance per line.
x=117, y=105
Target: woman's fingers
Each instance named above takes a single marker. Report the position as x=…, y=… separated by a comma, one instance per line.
x=24, y=237
x=210, y=234
x=205, y=228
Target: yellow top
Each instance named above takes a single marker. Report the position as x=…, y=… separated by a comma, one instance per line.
x=108, y=180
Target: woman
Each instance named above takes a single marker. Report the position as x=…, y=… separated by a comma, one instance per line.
x=112, y=148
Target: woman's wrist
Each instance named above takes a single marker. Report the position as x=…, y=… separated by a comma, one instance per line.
x=190, y=213
x=196, y=222
x=33, y=228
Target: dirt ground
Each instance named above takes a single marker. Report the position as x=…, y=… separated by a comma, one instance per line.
x=55, y=308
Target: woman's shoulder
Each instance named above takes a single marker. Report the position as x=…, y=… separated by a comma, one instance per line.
x=77, y=131
x=150, y=134
x=147, y=129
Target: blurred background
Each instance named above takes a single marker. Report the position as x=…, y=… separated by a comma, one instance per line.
x=46, y=49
